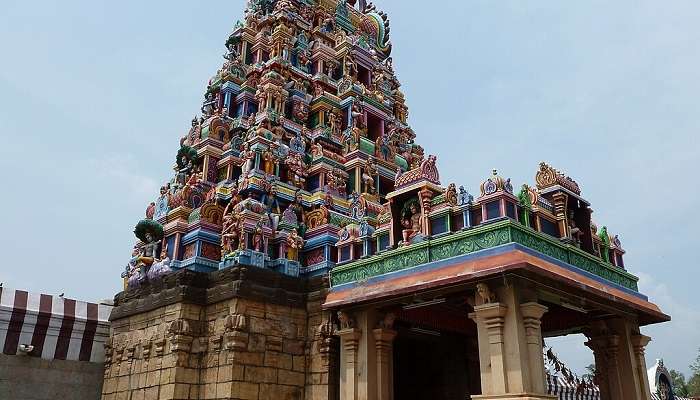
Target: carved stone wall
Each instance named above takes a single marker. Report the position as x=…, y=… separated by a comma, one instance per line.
x=236, y=334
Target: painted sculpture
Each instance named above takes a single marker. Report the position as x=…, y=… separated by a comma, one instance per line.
x=302, y=159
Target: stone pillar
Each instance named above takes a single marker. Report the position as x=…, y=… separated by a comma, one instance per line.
x=425, y=197
x=532, y=321
x=639, y=342
x=349, y=344
x=598, y=345
x=383, y=341
x=626, y=358
x=510, y=345
x=612, y=349
x=560, y=201
x=490, y=319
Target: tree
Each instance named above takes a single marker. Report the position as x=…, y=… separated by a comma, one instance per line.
x=678, y=381
x=694, y=385
x=694, y=381
x=590, y=372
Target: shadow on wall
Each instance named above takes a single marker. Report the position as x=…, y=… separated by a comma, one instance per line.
x=31, y=378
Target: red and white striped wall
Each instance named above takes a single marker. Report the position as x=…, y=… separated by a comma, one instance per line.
x=58, y=328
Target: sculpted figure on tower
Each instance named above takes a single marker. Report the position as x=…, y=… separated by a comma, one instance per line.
x=303, y=111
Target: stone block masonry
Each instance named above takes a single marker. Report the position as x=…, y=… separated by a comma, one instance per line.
x=213, y=337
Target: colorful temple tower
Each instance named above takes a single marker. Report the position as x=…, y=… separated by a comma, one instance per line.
x=305, y=247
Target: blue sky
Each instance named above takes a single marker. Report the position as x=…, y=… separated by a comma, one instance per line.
x=94, y=96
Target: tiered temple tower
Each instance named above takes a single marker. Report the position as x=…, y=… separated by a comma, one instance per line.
x=304, y=230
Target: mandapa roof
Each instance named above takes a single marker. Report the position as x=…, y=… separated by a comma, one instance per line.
x=57, y=328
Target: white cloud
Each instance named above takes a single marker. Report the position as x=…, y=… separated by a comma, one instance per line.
x=123, y=170
x=684, y=328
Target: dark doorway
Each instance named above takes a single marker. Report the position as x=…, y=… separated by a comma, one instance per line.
x=435, y=366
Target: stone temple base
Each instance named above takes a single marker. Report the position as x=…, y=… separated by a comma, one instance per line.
x=241, y=333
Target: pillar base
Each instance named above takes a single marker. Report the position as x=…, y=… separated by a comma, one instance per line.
x=515, y=396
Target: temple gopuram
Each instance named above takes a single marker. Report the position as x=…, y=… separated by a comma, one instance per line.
x=307, y=249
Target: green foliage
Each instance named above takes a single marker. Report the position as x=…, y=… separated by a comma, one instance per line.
x=695, y=366
x=590, y=372
x=694, y=385
x=694, y=381
x=680, y=387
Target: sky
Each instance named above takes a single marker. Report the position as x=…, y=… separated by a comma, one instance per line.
x=94, y=96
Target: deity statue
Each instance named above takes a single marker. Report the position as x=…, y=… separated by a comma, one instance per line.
x=338, y=179
x=318, y=89
x=248, y=157
x=258, y=236
x=350, y=67
x=411, y=221
x=317, y=150
x=384, y=147
x=464, y=197
x=377, y=78
x=150, y=233
x=451, y=194
x=300, y=112
x=358, y=116
x=574, y=231
x=230, y=231
x=368, y=175
x=268, y=162
x=605, y=246
x=364, y=228
x=264, y=129
x=330, y=68
x=333, y=123
x=358, y=206
x=328, y=24
x=161, y=267
x=151, y=210
x=186, y=157
x=270, y=200
x=209, y=104
x=297, y=143
x=193, y=135
x=297, y=207
x=294, y=244
x=133, y=273
x=304, y=59
x=297, y=169
x=233, y=52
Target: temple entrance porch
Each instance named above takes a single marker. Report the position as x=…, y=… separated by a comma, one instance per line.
x=483, y=340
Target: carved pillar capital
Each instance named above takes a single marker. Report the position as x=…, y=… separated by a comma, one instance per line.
x=532, y=320
x=350, y=338
x=493, y=316
x=383, y=338
x=612, y=348
x=639, y=343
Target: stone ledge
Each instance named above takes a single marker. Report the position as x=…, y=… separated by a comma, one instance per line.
x=203, y=289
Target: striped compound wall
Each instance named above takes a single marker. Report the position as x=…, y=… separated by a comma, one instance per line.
x=58, y=328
